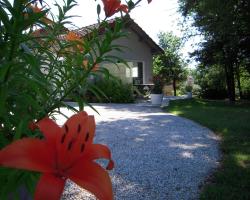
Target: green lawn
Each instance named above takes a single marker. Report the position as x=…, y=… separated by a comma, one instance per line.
x=232, y=123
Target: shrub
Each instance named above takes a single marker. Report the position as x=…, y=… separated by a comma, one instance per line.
x=196, y=90
x=211, y=93
x=245, y=85
x=113, y=91
x=246, y=94
x=189, y=88
x=158, y=84
x=211, y=81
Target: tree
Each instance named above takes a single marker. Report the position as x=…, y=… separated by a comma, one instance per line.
x=169, y=65
x=225, y=26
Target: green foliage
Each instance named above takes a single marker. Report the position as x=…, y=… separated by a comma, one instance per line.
x=169, y=42
x=196, y=90
x=170, y=65
x=39, y=69
x=211, y=81
x=112, y=90
x=225, y=27
x=158, y=81
x=245, y=84
x=188, y=88
x=231, y=122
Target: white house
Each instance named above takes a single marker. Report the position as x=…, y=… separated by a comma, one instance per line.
x=138, y=53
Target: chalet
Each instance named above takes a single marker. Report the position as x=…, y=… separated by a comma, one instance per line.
x=139, y=52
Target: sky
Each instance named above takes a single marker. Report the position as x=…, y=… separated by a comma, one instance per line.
x=159, y=15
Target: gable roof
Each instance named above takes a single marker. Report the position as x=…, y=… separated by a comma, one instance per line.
x=129, y=23
x=155, y=48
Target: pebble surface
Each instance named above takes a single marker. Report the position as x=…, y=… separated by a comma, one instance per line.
x=157, y=155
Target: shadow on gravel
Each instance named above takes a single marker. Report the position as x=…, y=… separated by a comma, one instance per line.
x=158, y=157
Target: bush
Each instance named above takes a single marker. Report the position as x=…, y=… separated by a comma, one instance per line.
x=245, y=85
x=188, y=88
x=246, y=94
x=115, y=91
x=196, y=90
x=211, y=81
x=211, y=93
x=158, y=84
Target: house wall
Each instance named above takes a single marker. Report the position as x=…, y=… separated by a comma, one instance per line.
x=136, y=50
x=120, y=71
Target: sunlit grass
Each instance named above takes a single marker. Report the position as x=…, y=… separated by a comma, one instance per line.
x=177, y=112
x=232, y=123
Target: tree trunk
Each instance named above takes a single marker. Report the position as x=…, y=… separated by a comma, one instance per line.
x=230, y=81
x=174, y=86
x=238, y=80
x=230, y=58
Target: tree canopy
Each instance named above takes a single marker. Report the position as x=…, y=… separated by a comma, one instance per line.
x=225, y=26
x=169, y=65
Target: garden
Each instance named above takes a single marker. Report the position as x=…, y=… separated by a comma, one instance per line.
x=44, y=64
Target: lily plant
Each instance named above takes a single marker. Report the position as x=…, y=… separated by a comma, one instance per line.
x=65, y=152
x=42, y=63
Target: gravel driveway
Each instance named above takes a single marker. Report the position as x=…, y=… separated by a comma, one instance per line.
x=157, y=155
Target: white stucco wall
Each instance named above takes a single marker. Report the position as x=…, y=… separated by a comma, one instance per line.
x=136, y=50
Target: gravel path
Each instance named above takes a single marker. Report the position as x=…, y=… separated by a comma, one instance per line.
x=157, y=156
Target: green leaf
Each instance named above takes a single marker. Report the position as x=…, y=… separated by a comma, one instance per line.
x=69, y=107
x=5, y=19
x=80, y=102
x=88, y=104
x=97, y=92
x=3, y=142
x=22, y=126
x=3, y=97
x=3, y=71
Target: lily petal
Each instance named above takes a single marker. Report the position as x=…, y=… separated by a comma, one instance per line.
x=93, y=178
x=113, y=6
x=49, y=187
x=123, y=8
x=99, y=151
x=28, y=153
x=50, y=130
x=69, y=145
x=84, y=138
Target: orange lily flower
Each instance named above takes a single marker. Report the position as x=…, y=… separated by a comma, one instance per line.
x=113, y=6
x=85, y=65
x=73, y=37
x=65, y=152
x=36, y=9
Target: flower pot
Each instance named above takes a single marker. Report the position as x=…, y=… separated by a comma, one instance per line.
x=189, y=95
x=156, y=99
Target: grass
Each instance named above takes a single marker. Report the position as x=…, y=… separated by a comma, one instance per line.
x=232, y=123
